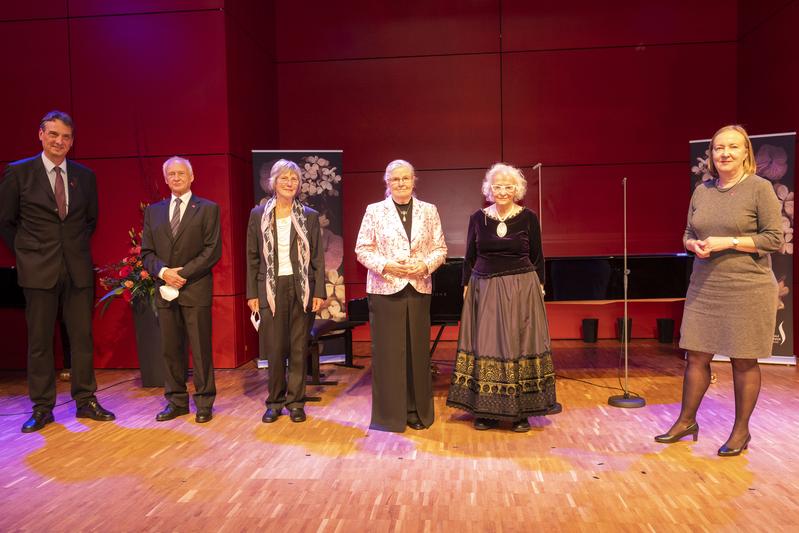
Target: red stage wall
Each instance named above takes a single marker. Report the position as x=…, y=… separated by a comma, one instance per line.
x=144, y=81
x=594, y=92
x=768, y=79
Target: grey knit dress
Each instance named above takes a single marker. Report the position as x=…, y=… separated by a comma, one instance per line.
x=731, y=305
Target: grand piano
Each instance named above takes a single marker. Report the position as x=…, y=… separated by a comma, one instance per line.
x=567, y=279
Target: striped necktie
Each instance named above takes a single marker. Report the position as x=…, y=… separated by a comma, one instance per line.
x=60, y=194
x=175, y=222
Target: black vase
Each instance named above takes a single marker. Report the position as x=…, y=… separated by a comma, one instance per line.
x=148, y=344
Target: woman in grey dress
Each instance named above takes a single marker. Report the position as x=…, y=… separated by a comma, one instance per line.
x=733, y=225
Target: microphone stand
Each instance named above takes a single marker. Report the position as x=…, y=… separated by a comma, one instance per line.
x=540, y=199
x=625, y=400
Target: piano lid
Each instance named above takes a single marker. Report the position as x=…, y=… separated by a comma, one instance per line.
x=602, y=277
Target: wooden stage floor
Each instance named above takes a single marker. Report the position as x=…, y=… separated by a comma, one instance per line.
x=590, y=468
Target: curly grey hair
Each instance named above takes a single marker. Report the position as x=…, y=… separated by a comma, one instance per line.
x=501, y=169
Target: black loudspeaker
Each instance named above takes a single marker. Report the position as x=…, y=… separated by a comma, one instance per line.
x=620, y=328
x=590, y=328
x=665, y=330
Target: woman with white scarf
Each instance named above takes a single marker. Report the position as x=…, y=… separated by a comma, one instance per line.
x=285, y=285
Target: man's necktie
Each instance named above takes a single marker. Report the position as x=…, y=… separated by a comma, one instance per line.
x=60, y=194
x=175, y=222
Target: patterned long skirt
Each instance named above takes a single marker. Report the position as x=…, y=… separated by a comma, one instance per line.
x=503, y=369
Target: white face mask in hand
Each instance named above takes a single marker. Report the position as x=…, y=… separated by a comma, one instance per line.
x=255, y=318
x=168, y=293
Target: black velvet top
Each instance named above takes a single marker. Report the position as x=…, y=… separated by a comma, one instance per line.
x=489, y=255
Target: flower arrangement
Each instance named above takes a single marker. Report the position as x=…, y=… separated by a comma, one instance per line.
x=128, y=278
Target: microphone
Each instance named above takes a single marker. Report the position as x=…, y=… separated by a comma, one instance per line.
x=536, y=166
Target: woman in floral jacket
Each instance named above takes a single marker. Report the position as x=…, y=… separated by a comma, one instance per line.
x=401, y=243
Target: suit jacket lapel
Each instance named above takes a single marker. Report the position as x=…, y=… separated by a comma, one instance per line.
x=393, y=217
x=162, y=222
x=74, y=198
x=41, y=177
x=416, y=218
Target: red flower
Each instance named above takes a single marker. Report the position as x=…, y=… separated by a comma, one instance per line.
x=144, y=274
x=125, y=271
x=127, y=295
x=136, y=250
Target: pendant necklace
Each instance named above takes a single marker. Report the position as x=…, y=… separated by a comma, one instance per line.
x=403, y=212
x=502, y=228
x=726, y=189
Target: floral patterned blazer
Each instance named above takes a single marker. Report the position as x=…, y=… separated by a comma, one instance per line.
x=382, y=238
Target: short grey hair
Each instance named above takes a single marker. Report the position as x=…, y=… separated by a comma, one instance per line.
x=283, y=166
x=177, y=159
x=394, y=165
x=501, y=169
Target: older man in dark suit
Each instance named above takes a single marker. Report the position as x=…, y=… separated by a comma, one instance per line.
x=180, y=242
x=48, y=212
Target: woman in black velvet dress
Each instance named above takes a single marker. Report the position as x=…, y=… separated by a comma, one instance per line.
x=503, y=369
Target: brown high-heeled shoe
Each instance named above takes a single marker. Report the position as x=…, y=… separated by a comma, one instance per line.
x=726, y=451
x=693, y=429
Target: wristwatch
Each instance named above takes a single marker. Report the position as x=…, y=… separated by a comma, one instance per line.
x=735, y=242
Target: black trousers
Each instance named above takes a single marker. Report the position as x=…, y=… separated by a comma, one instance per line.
x=401, y=382
x=285, y=336
x=179, y=323
x=40, y=313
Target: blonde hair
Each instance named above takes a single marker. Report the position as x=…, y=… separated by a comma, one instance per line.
x=749, y=164
x=501, y=169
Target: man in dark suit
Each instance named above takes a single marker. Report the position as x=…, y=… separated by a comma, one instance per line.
x=180, y=242
x=48, y=212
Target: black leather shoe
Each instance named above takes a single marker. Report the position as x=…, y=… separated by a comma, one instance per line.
x=271, y=415
x=297, y=414
x=95, y=411
x=555, y=409
x=415, y=423
x=170, y=412
x=37, y=421
x=726, y=451
x=203, y=415
x=666, y=438
x=482, y=424
x=521, y=426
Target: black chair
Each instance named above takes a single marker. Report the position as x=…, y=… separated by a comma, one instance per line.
x=327, y=330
